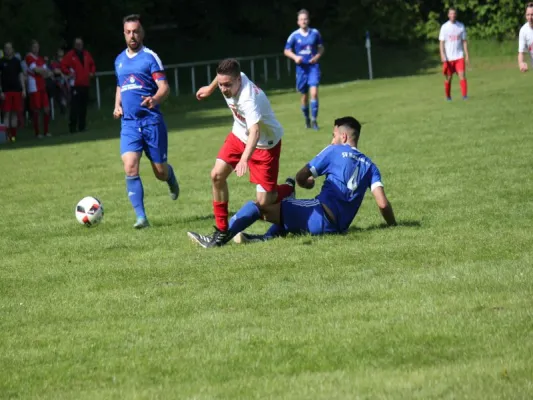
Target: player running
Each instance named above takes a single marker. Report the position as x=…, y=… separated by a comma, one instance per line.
x=12, y=90
x=349, y=173
x=453, y=53
x=254, y=144
x=141, y=88
x=525, y=39
x=305, y=48
x=38, y=72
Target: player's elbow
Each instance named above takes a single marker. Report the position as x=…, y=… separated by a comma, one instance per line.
x=383, y=204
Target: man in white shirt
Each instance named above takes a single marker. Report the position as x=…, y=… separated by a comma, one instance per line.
x=525, y=39
x=254, y=144
x=453, y=53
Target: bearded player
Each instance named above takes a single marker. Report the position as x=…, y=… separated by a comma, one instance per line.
x=254, y=145
x=141, y=87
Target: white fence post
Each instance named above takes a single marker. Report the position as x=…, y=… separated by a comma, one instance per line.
x=252, y=69
x=52, y=109
x=98, y=99
x=278, y=75
x=193, y=80
x=265, y=69
x=369, y=56
x=208, y=74
x=176, y=82
x=289, y=66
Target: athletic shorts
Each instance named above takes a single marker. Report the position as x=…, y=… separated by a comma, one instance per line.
x=305, y=216
x=39, y=100
x=453, y=67
x=263, y=165
x=307, y=75
x=152, y=138
x=12, y=102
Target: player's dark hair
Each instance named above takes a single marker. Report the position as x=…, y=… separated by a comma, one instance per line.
x=350, y=123
x=303, y=11
x=132, y=18
x=229, y=66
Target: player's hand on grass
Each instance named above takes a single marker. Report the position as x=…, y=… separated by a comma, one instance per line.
x=523, y=67
x=149, y=101
x=242, y=168
x=203, y=92
x=117, y=113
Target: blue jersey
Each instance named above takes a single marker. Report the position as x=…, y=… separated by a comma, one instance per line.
x=136, y=77
x=349, y=173
x=305, y=46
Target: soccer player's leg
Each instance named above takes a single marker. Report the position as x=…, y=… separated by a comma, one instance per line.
x=45, y=103
x=448, y=70
x=155, y=138
x=227, y=159
x=35, y=107
x=313, y=82
x=15, y=111
x=131, y=146
x=303, y=88
x=7, y=109
x=460, y=69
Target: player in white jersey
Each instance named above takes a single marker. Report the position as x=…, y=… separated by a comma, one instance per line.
x=254, y=144
x=525, y=39
x=453, y=53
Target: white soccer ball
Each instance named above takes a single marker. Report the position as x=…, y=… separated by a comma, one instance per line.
x=89, y=211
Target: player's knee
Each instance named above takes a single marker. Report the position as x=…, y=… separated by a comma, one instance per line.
x=131, y=168
x=217, y=177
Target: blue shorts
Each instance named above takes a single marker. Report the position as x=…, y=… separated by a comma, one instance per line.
x=150, y=137
x=305, y=216
x=307, y=75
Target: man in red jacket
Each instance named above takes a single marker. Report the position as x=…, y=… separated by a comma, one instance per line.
x=81, y=61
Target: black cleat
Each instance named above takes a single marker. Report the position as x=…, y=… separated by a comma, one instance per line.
x=291, y=182
x=217, y=239
x=308, y=123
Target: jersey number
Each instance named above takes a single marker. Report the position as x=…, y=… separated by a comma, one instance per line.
x=352, y=183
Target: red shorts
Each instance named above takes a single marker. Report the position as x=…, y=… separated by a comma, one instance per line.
x=12, y=102
x=39, y=100
x=453, y=67
x=263, y=165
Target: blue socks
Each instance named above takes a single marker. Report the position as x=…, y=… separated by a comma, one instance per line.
x=135, y=189
x=305, y=111
x=246, y=216
x=314, y=109
x=275, y=231
x=171, y=177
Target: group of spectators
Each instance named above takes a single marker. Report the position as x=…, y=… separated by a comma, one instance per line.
x=27, y=85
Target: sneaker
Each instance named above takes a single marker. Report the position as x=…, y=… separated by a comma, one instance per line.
x=314, y=125
x=308, y=123
x=245, y=238
x=465, y=97
x=217, y=239
x=174, y=189
x=142, y=222
x=291, y=182
x=448, y=99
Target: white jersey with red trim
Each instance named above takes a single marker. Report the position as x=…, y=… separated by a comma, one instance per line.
x=251, y=106
x=36, y=81
x=453, y=35
x=525, y=40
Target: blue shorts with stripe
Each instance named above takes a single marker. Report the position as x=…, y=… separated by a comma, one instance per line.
x=305, y=216
x=149, y=136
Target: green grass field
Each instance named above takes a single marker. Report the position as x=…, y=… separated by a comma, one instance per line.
x=438, y=307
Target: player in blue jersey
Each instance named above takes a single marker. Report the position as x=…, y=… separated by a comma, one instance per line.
x=305, y=48
x=349, y=174
x=141, y=88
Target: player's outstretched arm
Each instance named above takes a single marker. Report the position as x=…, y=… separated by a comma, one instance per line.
x=207, y=91
x=304, y=178
x=384, y=205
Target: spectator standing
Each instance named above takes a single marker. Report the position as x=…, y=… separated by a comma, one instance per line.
x=12, y=90
x=81, y=61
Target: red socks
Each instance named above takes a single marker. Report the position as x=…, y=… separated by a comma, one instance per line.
x=284, y=191
x=35, y=121
x=463, y=87
x=220, y=209
x=448, y=89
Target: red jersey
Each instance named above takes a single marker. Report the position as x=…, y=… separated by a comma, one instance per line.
x=36, y=82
